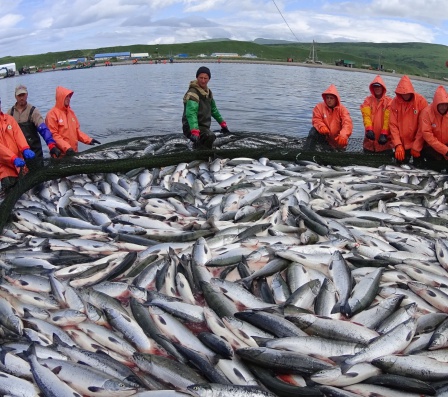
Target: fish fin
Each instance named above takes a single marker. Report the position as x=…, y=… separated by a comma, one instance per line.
x=345, y=367
x=4, y=351
x=58, y=341
x=336, y=308
x=260, y=341
x=246, y=281
x=340, y=359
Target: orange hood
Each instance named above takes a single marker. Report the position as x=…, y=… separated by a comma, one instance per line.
x=61, y=94
x=440, y=96
x=332, y=90
x=378, y=80
x=405, y=86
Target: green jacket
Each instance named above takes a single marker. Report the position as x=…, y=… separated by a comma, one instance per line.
x=199, y=108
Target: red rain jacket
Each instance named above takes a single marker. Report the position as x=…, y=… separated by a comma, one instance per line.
x=433, y=127
x=337, y=120
x=63, y=123
x=404, y=116
x=375, y=116
x=12, y=145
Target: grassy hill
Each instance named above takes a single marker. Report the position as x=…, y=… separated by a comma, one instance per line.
x=417, y=59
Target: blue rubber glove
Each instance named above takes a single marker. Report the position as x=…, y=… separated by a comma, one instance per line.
x=18, y=162
x=46, y=134
x=28, y=154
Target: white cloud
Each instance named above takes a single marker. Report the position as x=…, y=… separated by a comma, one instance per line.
x=37, y=26
x=9, y=21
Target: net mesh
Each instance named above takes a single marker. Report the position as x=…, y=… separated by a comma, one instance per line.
x=163, y=150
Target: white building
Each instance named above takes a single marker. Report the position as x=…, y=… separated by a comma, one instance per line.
x=140, y=55
x=225, y=55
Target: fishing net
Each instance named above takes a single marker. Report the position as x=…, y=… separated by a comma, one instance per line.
x=163, y=150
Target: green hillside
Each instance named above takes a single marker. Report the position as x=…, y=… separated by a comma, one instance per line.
x=417, y=59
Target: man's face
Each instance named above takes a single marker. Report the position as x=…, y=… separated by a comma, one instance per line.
x=442, y=108
x=406, y=97
x=22, y=99
x=377, y=90
x=330, y=100
x=203, y=80
x=67, y=100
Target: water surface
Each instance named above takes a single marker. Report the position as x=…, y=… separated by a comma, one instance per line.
x=136, y=100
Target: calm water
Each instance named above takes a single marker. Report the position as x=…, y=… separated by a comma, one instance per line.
x=136, y=100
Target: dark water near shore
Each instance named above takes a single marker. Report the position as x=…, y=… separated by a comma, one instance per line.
x=128, y=101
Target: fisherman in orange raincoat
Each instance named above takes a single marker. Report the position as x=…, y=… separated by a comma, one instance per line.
x=405, y=111
x=332, y=124
x=375, y=116
x=14, y=149
x=64, y=125
x=433, y=129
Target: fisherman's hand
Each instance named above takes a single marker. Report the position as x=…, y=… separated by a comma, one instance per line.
x=55, y=152
x=28, y=154
x=382, y=140
x=70, y=152
x=415, y=153
x=224, y=128
x=324, y=130
x=342, y=140
x=194, y=136
x=399, y=152
x=93, y=141
x=370, y=135
x=18, y=162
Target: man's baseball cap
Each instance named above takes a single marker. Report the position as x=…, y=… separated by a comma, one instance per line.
x=21, y=89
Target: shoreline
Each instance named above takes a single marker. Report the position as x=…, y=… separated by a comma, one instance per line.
x=262, y=62
x=299, y=64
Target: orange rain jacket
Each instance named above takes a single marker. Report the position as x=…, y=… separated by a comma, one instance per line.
x=375, y=116
x=12, y=145
x=337, y=120
x=433, y=127
x=404, y=116
x=63, y=123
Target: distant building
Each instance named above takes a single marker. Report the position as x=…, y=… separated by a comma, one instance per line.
x=108, y=55
x=75, y=61
x=225, y=55
x=249, y=56
x=345, y=62
x=139, y=55
x=202, y=56
x=182, y=56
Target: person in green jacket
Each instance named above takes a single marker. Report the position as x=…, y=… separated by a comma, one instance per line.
x=199, y=107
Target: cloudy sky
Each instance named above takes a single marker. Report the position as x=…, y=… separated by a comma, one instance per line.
x=39, y=26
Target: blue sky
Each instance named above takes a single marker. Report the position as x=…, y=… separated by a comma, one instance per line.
x=34, y=26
